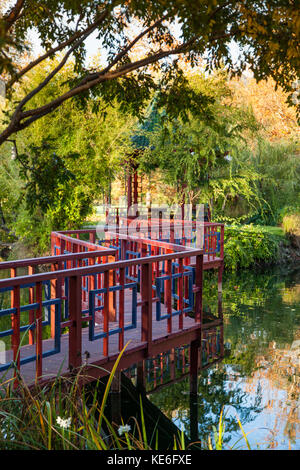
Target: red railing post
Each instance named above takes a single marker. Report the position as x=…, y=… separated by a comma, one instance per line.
x=172, y=237
x=146, y=291
x=199, y=288
x=31, y=301
x=75, y=317
x=149, y=222
x=112, y=294
x=92, y=237
x=52, y=243
x=39, y=330
x=117, y=221
x=123, y=248
x=169, y=295
x=222, y=242
x=160, y=225
x=121, y=308
x=15, y=320
x=180, y=293
x=106, y=312
x=53, y=291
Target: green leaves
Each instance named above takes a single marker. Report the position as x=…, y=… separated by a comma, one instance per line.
x=191, y=148
x=246, y=246
x=142, y=42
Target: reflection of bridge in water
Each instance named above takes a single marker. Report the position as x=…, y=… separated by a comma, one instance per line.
x=79, y=307
x=172, y=366
x=156, y=373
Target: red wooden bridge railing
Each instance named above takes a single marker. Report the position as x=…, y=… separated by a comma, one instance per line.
x=87, y=282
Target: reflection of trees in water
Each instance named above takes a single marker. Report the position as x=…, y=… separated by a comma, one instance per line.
x=279, y=370
x=261, y=320
x=259, y=309
x=213, y=394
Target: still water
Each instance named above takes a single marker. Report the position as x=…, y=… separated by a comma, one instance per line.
x=258, y=380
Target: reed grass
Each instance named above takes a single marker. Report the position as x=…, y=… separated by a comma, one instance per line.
x=65, y=415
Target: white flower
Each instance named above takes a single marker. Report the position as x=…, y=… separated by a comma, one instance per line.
x=123, y=429
x=64, y=423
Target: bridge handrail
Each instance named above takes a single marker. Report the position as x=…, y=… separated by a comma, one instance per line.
x=76, y=293
x=78, y=314
x=95, y=269
x=158, y=243
x=23, y=263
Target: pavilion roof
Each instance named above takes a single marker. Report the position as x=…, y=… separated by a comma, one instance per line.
x=152, y=121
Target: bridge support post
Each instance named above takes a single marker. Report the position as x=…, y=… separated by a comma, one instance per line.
x=199, y=287
x=146, y=291
x=194, y=417
x=76, y=325
x=172, y=364
x=220, y=275
x=195, y=346
x=112, y=295
x=140, y=378
x=31, y=333
x=115, y=396
x=194, y=355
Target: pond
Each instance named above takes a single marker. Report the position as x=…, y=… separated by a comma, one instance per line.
x=259, y=378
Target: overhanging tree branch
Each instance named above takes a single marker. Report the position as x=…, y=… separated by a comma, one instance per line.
x=209, y=26
x=85, y=33
x=9, y=20
x=37, y=113
x=22, y=120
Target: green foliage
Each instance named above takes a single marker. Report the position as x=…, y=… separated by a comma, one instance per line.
x=64, y=163
x=194, y=156
x=247, y=246
x=10, y=187
x=220, y=157
x=219, y=433
x=291, y=226
x=33, y=230
x=279, y=169
x=206, y=29
x=65, y=415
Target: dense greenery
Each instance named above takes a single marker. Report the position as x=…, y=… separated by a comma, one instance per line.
x=66, y=162
x=247, y=246
x=224, y=158
x=220, y=155
x=193, y=156
x=62, y=165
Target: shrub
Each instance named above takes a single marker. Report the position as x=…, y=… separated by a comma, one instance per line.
x=247, y=246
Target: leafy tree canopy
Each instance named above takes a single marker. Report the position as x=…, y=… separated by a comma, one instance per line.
x=57, y=168
x=267, y=32
x=194, y=156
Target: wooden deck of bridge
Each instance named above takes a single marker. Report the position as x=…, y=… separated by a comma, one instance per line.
x=92, y=351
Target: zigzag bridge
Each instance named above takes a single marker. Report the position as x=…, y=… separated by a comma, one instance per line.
x=79, y=307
